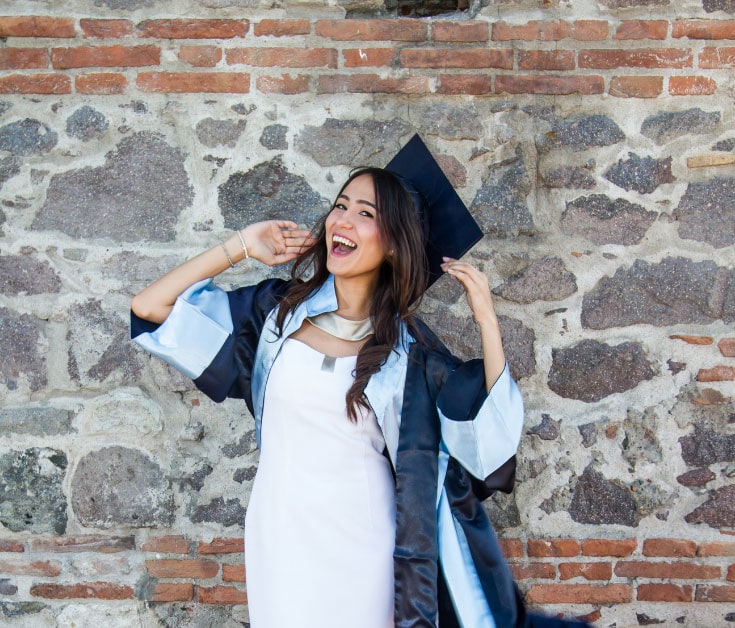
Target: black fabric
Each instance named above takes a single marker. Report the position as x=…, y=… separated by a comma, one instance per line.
x=502, y=479
x=140, y=326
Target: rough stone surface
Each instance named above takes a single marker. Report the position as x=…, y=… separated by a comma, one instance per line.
x=726, y=146
x=580, y=134
x=603, y=220
x=214, y=133
x=35, y=420
x=19, y=609
x=27, y=137
x=546, y=279
x=728, y=6
x=121, y=486
x=643, y=175
x=548, y=429
x=195, y=615
x=591, y=370
x=24, y=274
x=623, y=4
x=666, y=126
x=503, y=511
x=706, y=446
x=570, y=177
x=500, y=205
x=451, y=122
x=597, y=500
x=696, y=477
x=263, y=192
x=6, y=588
x=31, y=491
x=588, y=431
x=22, y=345
x=9, y=167
x=86, y=124
x=718, y=511
x=245, y=475
x=706, y=212
x=245, y=445
x=274, y=137
x=640, y=444
x=137, y=195
x=675, y=291
x=229, y=513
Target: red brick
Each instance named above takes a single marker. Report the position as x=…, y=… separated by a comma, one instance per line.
x=669, y=571
x=532, y=570
x=546, y=84
x=35, y=84
x=11, y=546
x=173, y=544
x=710, y=397
x=716, y=549
x=553, y=547
x=182, y=568
x=233, y=573
x=221, y=595
x=98, y=590
x=636, y=86
x=719, y=373
x=23, y=567
x=607, y=547
x=711, y=593
x=678, y=548
x=638, y=58
x=546, y=60
x=192, y=82
x=23, y=58
x=579, y=594
x=282, y=28
x=611, y=431
x=368, y=57
x=86, y=543
x=201, y=56
x=105, y=29
x=105, y=56
x=283, y=57
x=193, y=29
x=692, y=86
x=693, y=340
x=220, y=545
x=468, y=58
x=704, y=29
x=665, y=593
x=284, y=84
x=730, y=573
x=469, y=84
x=588, y=571
x=583, y=30
x=591, y=617
x=642, y=29
x=511, y=548
x=172, y=592
x=372, y=30
x=717, y=58
x=727, y=347
x=371, y=84
x=61, y=27
x=460, y=31
x=102, y=84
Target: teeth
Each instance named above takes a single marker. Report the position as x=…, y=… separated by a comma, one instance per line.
x=340, y=240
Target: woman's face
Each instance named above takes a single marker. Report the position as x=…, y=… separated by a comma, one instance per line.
x=354, y=244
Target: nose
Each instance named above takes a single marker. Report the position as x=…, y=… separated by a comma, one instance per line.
x=344, y=220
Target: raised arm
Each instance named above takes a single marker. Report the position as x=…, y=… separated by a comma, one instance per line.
x=270, y=242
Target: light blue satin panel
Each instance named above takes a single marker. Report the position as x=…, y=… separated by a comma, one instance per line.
x=487, y=441
x=195, y=330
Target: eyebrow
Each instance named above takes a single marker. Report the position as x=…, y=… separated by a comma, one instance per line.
x=359, y=200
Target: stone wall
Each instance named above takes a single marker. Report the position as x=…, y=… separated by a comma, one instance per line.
x=134, y=133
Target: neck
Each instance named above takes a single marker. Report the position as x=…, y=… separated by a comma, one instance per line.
x=354, y=298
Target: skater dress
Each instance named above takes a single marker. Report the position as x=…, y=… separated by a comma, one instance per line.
x=320, y=523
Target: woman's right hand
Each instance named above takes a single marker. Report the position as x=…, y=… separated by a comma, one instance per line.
x=275, y=241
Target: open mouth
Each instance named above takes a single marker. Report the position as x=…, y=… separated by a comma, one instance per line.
x=342, y=245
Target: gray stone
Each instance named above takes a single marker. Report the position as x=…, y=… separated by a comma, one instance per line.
x=580, y=134
x=117, y=486
x=674, y=291
x=9, y=167
x=196, y=481
x=6, y=588
x=245, y=475
x=603, y=220
x=22, y=345
x=18, y=609
x=446, y=289
x=274, y=137
x=667, y=126
x=136, y=195
x=27, y=137
x=597, y=500
x=592, y=370
x=706, y=212
x=645, y=620
x=546, y=279
x=706, y=446
x=190, y=615
x=23, y=274
x=451, y=122
x=75, y=255
x=643, y=175
x=5, y=106
x=548, y=429
x=351, y=142
x=500, y=204
x=728, y=6
x=128, y=5
x=31, y=491
x=228, y=513
x=503, y=511
x=246, y=444
x=86, y=124
x=588, y=431
x=518, y=341
x=38, y=420
x=718, y=511
x=3, y=217
x=675, y=367
x=726, y=146
x=569, y=177
x=696, y=477
x=623, y=4
x=213, y=132
x=640, y=444
x=269, y=191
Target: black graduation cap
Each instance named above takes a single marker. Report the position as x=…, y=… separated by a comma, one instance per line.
x=449, y=228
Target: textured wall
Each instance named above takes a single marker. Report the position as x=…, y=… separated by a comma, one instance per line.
x=131, y=138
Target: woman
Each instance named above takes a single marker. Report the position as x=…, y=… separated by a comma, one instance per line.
x=362, y=512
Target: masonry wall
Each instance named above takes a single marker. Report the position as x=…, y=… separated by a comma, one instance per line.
x=593, y=141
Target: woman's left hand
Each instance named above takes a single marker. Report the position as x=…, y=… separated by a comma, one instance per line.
x=476, y=289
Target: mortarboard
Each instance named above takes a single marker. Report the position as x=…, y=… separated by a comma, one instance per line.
x=449, y=228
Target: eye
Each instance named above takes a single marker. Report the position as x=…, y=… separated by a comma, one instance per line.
x=339, y=206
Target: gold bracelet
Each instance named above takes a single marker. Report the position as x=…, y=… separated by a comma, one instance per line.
x=229, y=259
x=242, y=241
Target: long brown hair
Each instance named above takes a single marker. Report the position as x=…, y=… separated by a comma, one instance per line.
x=402, y=277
